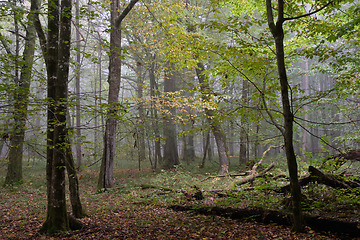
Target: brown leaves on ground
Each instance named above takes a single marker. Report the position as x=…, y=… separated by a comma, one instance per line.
x=110, y=217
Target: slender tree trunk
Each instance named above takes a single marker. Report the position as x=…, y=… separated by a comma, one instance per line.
x=278, y=34
x=21, y=99
x=141, y=110
x=214, y=122
x=77, y=89
x=231, y=134
x=305, y=86
x=244, y=126
x=206, y=142
x=107, y=164
x=98, y=102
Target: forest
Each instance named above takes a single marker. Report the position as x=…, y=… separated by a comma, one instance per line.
x=190, y=119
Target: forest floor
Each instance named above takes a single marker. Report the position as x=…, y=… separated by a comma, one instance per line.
x=129, y=213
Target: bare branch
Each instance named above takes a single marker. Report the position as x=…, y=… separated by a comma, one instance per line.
x=308, y=14
x=78, y=30
x=320, y=138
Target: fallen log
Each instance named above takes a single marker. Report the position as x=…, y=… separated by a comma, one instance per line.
x=327, y=179
x=340, y=159
x=341, y=228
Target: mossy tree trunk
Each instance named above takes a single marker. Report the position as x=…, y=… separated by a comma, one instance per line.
x=21, y=99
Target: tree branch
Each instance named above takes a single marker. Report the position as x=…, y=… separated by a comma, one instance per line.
x=77, y=30
x=270, y=16
x=124, y=13
x=308, y=14
x=5, y=44
x=320, y=138
x=38, y=27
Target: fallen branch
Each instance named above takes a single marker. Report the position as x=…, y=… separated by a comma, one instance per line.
x=227, y=175
x=254, y=175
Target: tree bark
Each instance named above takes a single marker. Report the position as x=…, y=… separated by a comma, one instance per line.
x=170, y=156
x=21, y=99
x=278, y=35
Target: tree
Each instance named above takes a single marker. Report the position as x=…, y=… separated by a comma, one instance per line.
x=77, y=87
x=278, y=34
x=141, y=122
x=57, y=56
x=154, y=113
x=21, y=99
x=107, y=164
x=170, y=155
x=243, y=154
x=214, y=121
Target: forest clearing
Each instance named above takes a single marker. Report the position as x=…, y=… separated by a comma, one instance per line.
x=168, y=119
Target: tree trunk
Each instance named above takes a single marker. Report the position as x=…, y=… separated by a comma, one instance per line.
x=107, y=164
x=77, y=89
x=58, y=55
x=206, y=146
x=154, y=114
x=76, y=205
x=21, y=99
x=305, y=86
x=244, y=126
x=170, y=156
x=189, y=148
x=214, y=122
x=278, y=34
x=141, y=121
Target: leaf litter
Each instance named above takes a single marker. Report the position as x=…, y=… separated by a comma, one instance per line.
x=113, y=215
